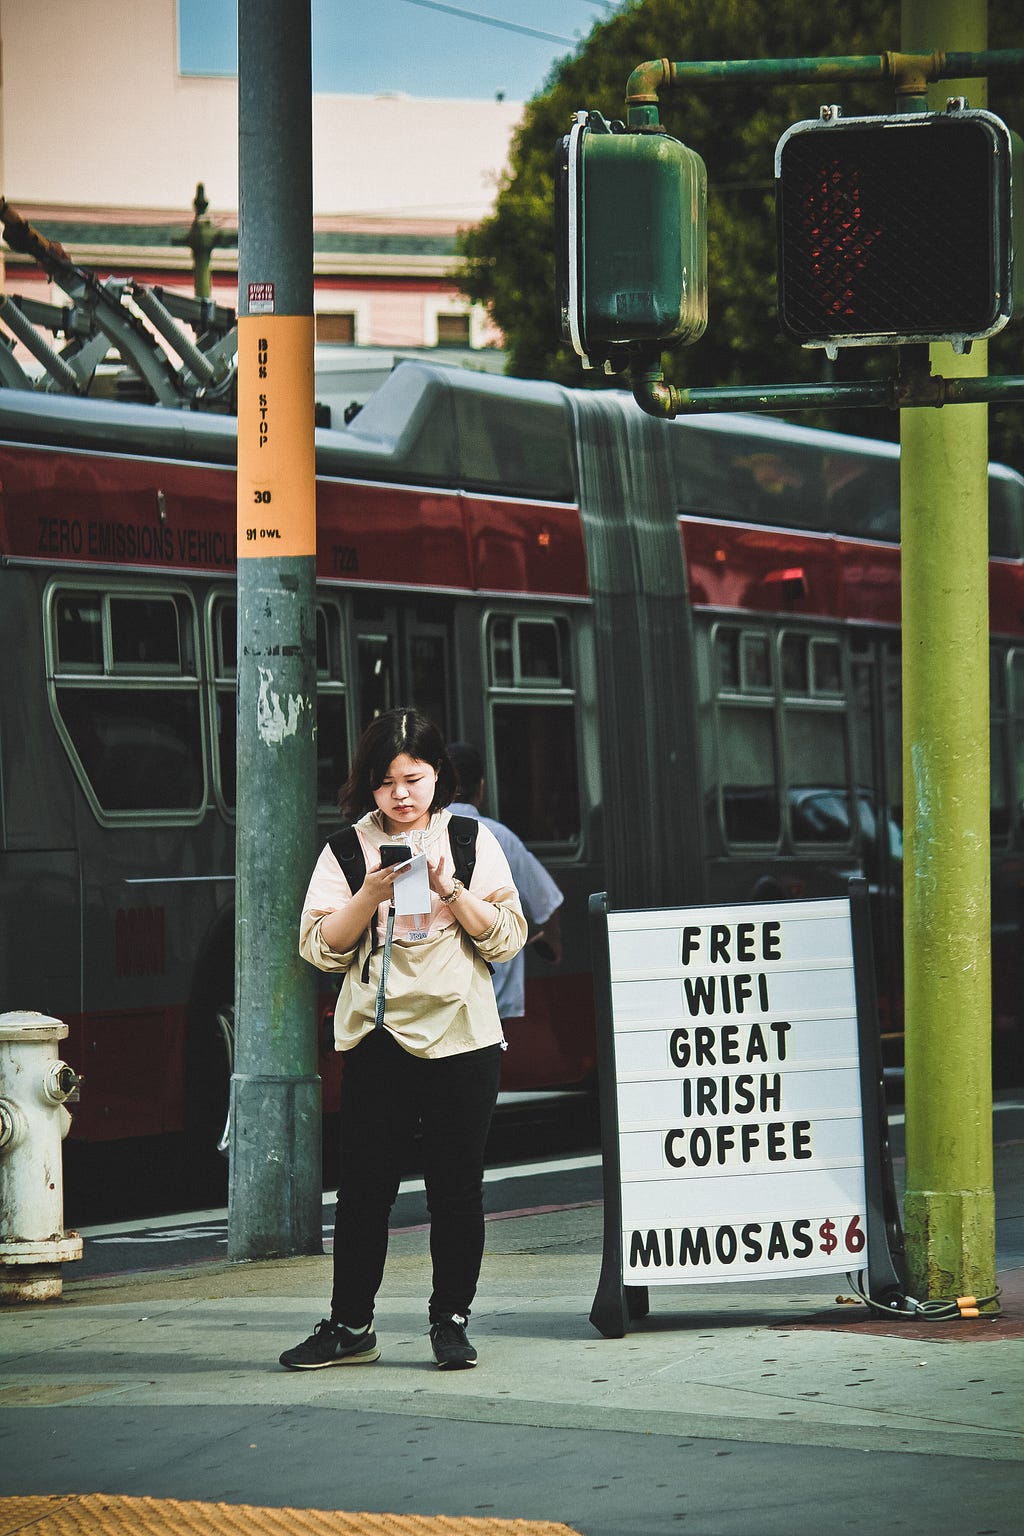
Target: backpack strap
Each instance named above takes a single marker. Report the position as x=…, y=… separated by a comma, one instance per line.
x=462, y=831
x=348, y=851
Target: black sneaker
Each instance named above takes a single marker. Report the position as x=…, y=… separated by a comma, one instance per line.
x=331, y=1344
x=452, y=1350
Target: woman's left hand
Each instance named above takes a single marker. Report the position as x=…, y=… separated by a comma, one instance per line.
x=440, y=883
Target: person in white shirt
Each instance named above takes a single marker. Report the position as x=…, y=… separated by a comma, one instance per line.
x=541, y=898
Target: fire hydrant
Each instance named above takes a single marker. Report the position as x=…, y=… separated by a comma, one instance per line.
x=34, y=1088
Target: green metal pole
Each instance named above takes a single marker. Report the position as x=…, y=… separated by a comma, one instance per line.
x=275, y=1189
x=949, y=1213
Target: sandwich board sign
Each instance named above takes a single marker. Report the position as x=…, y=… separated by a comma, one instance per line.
x=742, y=1116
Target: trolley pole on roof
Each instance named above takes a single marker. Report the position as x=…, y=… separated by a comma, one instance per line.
x=949, y=1212
x=275, y=1183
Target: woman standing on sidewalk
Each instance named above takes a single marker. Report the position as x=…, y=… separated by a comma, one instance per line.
x=417, y=1021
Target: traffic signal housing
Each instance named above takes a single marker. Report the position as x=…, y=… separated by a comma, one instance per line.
x=894, y=229
x=631, y=240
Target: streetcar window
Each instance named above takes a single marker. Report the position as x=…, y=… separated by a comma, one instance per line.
x=1001, y=823
x=537, y=780
x=526, y=653
x=755, y=664
x=428, y=675
x=749, y=776
x=145, y=634
x=323, y=663
x=1017, y=692
x=226, y=639
x=226, y=739
x=1015, y=701
x=376, y=675
x=126, y=699
x=819, y=807
x=537, y=649
x=1017, y=682
x=501, y=651
x=1005, y=514
x=746, y=737
x=141, y=749
x=225, y=662
x=815, y=739
x=796, y=665
x=533, y=728
x=744, y=661
x=331, y=706
x=811, y=666
x=827, y=670
x=79, y=631
x=781, y=738
x=331, y=747
x=727, y=655
x=998, y=682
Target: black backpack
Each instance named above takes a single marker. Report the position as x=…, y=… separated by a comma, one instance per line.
x=348, y=850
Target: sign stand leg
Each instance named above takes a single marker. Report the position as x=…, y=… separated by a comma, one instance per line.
x=614, y=1303
x=638, y=1300
x=885, y=1279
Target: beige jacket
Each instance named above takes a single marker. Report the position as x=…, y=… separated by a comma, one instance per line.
x=440, y=999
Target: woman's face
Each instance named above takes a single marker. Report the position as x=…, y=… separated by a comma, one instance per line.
x=405, y=795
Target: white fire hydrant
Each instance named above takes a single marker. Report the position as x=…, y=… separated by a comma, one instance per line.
x=34, y=1088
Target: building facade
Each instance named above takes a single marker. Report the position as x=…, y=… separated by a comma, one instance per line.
x=105, y=142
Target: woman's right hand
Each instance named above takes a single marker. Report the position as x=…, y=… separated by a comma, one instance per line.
x=380, y=882
x=343, y=928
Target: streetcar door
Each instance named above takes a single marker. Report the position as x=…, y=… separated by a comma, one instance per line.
x=404, y=656
x=876, y=716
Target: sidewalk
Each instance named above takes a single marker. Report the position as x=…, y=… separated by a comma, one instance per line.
x=732, y=1409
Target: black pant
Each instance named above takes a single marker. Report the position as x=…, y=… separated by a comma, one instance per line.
x=385, y=1093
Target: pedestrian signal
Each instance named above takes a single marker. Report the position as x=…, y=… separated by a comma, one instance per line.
x=631, y=231
x=894, y=229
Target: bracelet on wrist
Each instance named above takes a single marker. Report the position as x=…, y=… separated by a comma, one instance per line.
x=454, y=894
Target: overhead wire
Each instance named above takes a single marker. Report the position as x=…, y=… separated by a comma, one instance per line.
x=493, y=21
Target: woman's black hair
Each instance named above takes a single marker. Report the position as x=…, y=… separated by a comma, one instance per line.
x=392, y=733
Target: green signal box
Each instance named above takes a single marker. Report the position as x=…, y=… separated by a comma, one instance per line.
x=895, y=229
x=631, y=232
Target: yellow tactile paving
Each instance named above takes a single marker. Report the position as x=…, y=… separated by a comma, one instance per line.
x=98, y=1514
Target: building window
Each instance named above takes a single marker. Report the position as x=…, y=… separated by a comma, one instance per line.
x=337, y=326
x=453, y=330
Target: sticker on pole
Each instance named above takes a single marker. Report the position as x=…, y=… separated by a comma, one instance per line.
x=261, y=299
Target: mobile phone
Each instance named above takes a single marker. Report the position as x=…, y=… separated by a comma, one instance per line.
x=391, y=854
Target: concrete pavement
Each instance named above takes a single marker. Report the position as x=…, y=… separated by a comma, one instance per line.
x=731, y=1410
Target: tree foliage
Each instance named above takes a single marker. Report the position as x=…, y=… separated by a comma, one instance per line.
x=508, y=260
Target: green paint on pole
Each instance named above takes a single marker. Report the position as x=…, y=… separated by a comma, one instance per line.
x=949, y=1212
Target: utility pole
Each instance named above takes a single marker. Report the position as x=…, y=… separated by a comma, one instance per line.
x=275, y=1188
x=949, y=1213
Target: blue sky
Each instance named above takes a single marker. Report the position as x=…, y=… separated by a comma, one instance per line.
x=468, y=49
